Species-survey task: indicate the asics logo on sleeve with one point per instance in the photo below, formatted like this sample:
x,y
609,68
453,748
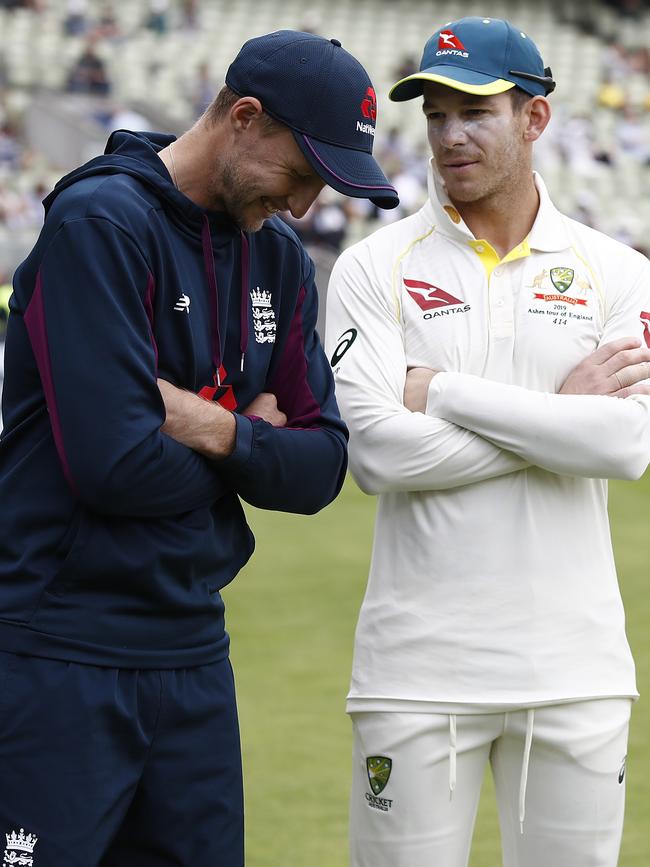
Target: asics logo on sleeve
x,y
345,342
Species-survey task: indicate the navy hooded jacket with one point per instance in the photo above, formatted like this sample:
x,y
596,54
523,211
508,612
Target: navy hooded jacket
x,y
116,539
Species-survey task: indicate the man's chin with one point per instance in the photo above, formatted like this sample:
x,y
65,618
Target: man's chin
x,y
249,223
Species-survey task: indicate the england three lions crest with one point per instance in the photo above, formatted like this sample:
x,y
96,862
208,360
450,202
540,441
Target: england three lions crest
x,y
263,316
19,849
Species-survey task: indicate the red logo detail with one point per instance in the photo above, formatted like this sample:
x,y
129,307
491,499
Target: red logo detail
x,y
446,39
369,105
645,319
428,296
227,399
565,298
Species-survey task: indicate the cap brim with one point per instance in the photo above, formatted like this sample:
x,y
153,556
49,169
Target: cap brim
x,y
451,76
351,172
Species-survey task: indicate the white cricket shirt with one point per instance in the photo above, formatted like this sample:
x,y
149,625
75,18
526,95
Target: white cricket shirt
x,y
492,578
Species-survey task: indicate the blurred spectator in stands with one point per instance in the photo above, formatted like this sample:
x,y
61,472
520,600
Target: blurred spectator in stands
x,y
5,293
325,223
34,212
9,146
203,89
311,22
628,8
158,17
394,151
412,191
632,135
89,74
13,208
190,15
407,66
10,5
577,146
108,26
611,94
615,60
329,223
121,117
75,21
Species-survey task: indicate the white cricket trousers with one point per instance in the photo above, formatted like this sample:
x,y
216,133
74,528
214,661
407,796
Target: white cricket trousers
x,y
559,774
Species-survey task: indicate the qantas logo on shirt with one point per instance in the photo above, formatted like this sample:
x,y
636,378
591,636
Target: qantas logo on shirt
x,y
429,297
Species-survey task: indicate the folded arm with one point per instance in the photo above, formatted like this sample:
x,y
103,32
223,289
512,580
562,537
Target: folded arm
x,y
95,352
392,448
288,449
583,431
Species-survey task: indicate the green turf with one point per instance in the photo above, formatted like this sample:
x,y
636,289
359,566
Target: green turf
x,y
291,615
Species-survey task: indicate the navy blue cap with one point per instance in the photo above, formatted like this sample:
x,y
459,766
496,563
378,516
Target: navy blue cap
x,y
324,95
481,56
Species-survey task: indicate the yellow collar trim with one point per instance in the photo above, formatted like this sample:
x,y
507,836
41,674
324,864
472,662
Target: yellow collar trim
x,y
490,258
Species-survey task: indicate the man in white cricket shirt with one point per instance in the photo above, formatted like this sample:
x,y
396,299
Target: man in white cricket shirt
x,y
490,357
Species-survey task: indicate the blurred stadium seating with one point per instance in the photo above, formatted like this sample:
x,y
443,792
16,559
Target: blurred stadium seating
x,y
160,57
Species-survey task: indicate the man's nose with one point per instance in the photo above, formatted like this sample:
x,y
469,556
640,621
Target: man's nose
x,y
453,132
301,200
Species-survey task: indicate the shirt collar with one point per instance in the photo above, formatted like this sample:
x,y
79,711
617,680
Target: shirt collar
x,y
548,234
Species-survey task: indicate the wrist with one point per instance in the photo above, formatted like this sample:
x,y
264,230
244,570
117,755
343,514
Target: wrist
x,y
217,438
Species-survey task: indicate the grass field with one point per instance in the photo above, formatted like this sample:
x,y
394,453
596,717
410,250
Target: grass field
x,y
291,615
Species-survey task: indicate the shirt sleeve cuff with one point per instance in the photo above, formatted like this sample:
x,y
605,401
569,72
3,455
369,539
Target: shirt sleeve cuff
x,y
244,435
435,394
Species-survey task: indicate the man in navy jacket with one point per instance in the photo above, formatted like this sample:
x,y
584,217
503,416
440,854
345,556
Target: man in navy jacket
x,y
162,364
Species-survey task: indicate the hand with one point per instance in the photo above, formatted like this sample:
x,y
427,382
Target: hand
x,y
201,425
416,388
265,406
615,369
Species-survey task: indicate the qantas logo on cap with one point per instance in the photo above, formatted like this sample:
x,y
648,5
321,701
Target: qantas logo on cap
x,y
449,43
429,297
448,40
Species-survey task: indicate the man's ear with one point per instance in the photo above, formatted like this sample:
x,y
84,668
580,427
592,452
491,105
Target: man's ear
x,y
246,110
537,113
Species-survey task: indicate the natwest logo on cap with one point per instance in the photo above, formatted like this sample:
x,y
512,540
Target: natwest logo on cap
x,y
369,110
447,39
369,104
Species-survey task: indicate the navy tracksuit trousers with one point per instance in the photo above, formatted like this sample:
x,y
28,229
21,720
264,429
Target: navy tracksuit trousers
x,y
107,767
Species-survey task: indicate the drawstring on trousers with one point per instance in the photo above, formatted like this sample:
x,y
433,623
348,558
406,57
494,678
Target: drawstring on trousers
x,y
530,718
452,754
530,721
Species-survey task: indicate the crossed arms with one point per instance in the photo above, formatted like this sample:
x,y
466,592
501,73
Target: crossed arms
x,y
419,430
611,441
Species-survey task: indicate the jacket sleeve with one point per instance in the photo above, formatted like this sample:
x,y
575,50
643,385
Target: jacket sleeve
x,y
94,347
391,448
584,435
301,467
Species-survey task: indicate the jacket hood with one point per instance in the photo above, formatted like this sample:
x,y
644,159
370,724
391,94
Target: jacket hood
x,y
136,154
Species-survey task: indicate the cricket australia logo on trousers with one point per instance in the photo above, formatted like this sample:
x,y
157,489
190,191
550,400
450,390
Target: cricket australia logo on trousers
x,y
378,769
263,316
19,849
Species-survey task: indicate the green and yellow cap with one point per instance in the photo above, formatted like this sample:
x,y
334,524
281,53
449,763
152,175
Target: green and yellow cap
x,y
482,56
